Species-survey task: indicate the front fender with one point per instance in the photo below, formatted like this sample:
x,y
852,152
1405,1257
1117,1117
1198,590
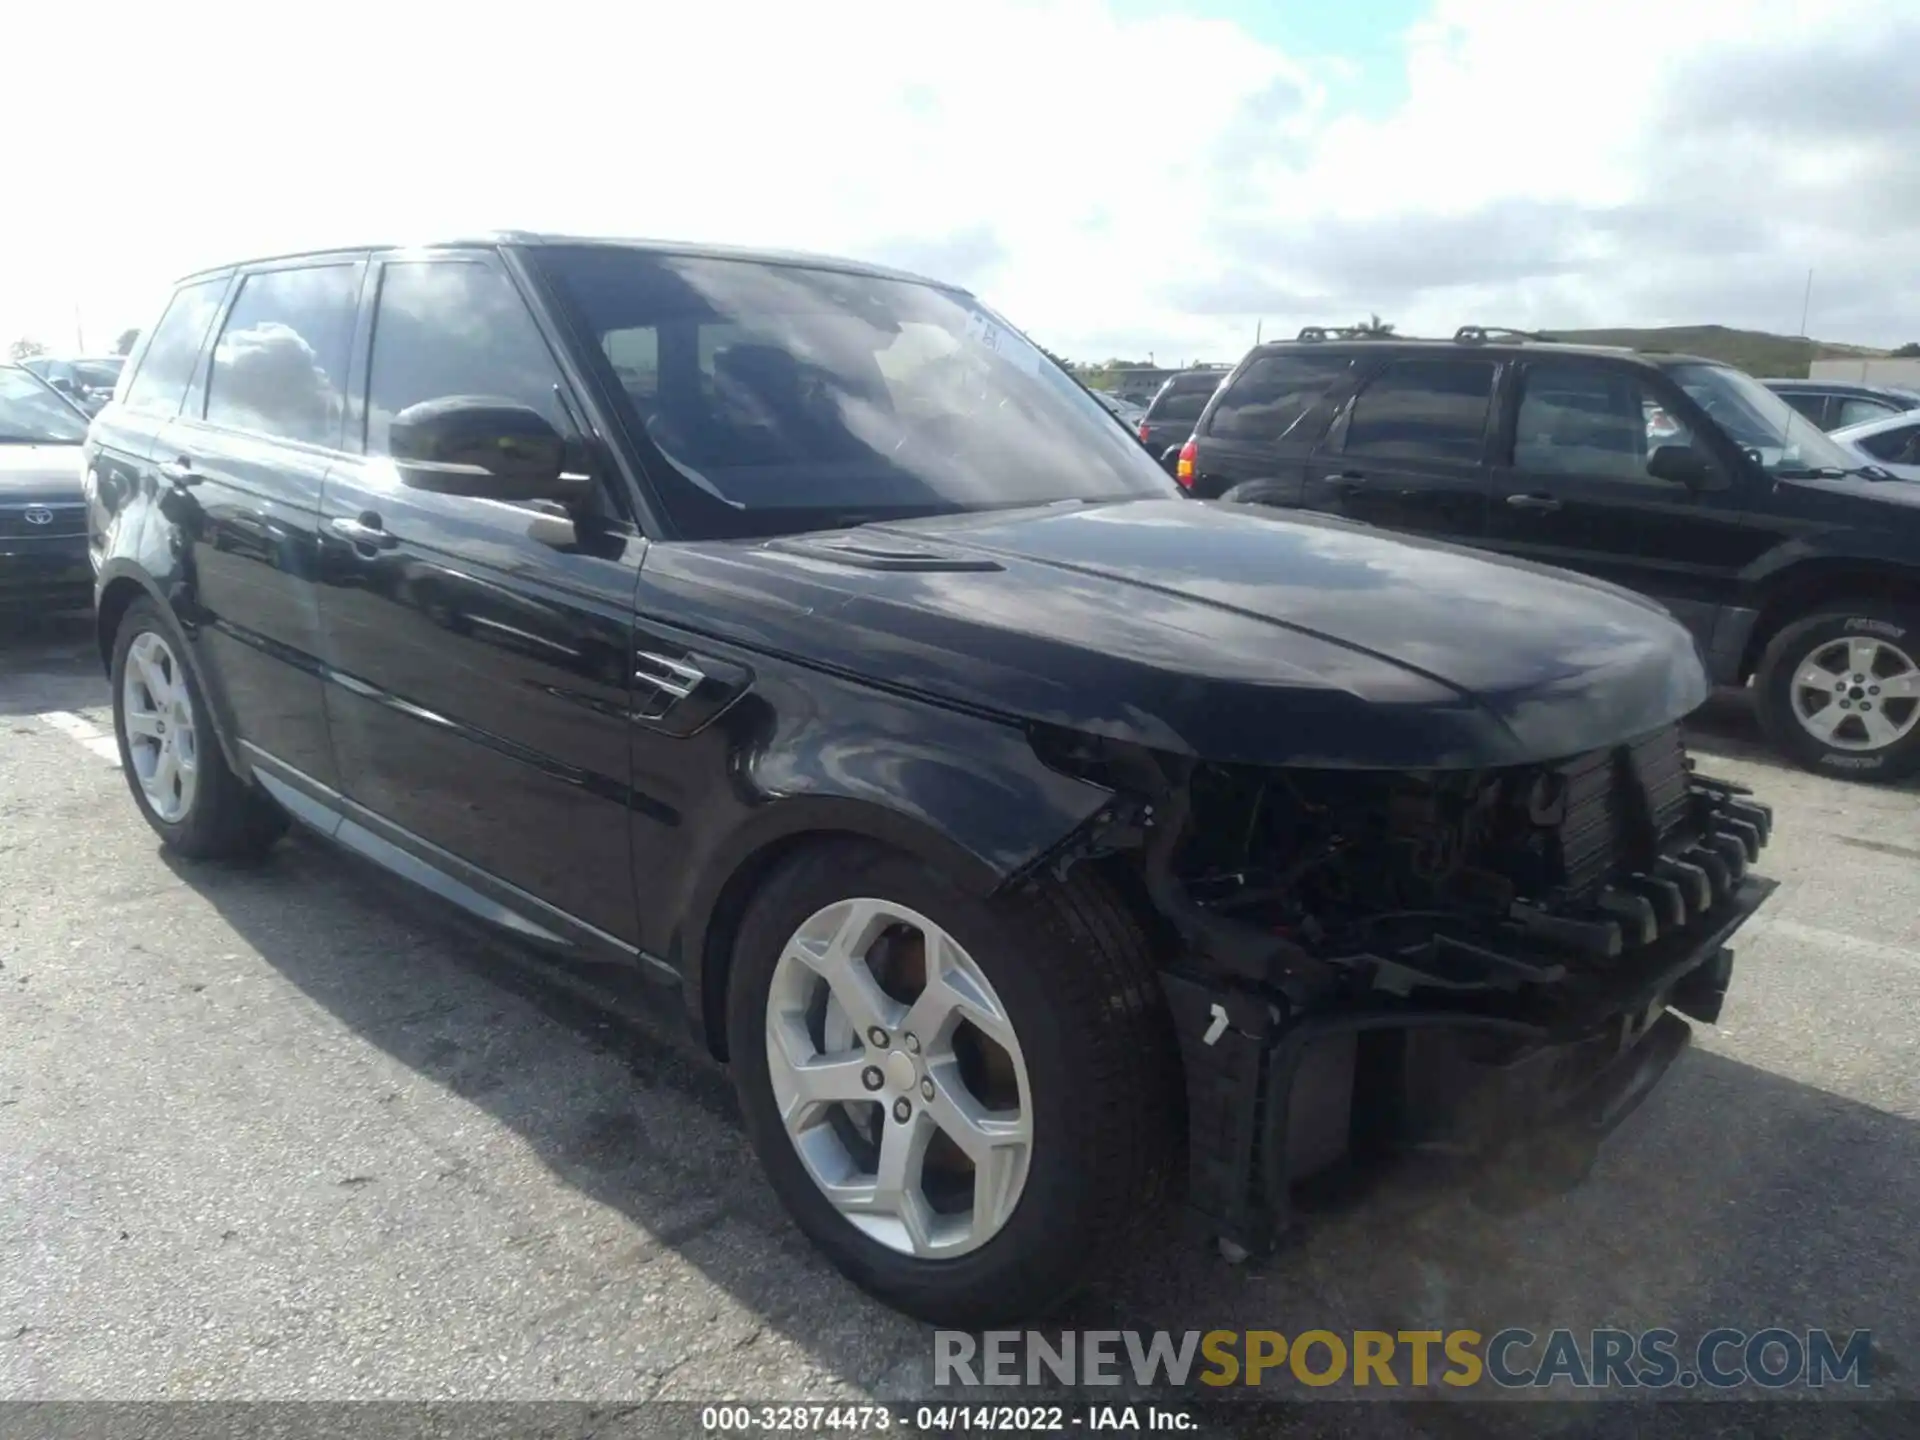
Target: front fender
x,y
813,756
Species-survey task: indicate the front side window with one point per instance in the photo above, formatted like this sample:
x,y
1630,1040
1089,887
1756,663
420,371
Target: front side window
x,y
33,413
1577,419
280,365
1857,411
160,383
1810,403
1274,394
454,327
1423,410
785,398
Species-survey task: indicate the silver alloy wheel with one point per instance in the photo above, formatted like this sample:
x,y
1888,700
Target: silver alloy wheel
x,y
1857,693
158,718
899,1078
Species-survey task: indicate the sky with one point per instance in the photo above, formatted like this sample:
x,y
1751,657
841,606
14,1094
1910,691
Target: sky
x,y
1118,177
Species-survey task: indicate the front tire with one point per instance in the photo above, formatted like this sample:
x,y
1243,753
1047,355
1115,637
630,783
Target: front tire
x,y
1839,691
970,1105
170,754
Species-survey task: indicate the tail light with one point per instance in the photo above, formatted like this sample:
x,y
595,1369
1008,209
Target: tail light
x,y
1145,434
1183,472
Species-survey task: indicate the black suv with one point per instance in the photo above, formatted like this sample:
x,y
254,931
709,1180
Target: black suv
x,y
1796,565
791,643
1175,406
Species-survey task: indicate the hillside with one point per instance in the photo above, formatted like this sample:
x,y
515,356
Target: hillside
x,y
1755,351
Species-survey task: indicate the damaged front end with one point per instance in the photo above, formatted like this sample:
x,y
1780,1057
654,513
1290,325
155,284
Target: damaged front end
x,y
1477,964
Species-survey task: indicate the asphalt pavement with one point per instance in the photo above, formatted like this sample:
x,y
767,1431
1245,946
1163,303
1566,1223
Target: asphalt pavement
x,y
290,1133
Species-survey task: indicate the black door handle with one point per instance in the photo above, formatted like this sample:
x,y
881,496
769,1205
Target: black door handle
x,y
1533,502
1347,480
364,531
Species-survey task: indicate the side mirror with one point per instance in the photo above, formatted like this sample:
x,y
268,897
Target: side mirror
x,y
1683,465
1170,459
484,448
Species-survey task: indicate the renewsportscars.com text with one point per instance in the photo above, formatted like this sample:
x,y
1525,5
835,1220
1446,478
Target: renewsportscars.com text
x,y
1725,1358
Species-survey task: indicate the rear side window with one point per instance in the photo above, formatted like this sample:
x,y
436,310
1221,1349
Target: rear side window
x,y
1898,446
280,366
1183,399
1423,410
1273,394
160,383
458,327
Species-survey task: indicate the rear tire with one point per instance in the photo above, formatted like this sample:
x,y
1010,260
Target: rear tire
x,y
1839,691
1072,975
214,815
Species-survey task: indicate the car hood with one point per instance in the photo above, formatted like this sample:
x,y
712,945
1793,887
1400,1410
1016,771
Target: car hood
x,y
1233,633
40,472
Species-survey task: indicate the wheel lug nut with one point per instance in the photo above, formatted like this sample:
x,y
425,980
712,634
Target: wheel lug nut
x,y
1858,679
1866,705
1846,705
912,1042
902,1111
878,1037
1873,689
872,1078
926,1089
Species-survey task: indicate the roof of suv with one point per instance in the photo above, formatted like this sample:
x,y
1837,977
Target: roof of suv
x,y
526,239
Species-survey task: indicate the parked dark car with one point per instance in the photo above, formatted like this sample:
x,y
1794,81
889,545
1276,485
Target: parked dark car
x,y
1795,563
1175,406
789,642
1834,405
43,531
87,381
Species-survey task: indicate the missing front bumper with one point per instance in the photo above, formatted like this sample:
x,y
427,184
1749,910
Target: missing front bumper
x,y
1525,1098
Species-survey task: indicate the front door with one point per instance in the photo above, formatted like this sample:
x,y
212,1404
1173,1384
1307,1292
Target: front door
x,y
1572,488
481,650
1409,452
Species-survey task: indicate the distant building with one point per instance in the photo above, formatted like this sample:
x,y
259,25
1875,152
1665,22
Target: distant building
x,y
1902,373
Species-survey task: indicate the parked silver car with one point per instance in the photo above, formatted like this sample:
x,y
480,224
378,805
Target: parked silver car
x,y
1892,443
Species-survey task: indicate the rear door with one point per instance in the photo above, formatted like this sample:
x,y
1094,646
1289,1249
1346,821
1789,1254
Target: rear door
x,y
1171,417
481,650
246,457
1571,488
1264,423
1409,452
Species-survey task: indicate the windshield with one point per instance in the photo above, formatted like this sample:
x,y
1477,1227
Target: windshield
x,y
97,374
786,398
1778,436
32,413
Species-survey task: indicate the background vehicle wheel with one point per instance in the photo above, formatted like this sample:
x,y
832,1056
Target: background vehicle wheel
x,y
1840,691
171,757
969,1106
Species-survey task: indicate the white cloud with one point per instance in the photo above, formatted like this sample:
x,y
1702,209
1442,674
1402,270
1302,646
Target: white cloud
x,y
1113,185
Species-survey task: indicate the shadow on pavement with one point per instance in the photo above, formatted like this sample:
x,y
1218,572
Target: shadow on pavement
x,y
1735,1197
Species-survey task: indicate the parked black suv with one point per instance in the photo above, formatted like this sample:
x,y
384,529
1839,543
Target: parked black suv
x,y
1836,404
1175,406
790,641
1796,566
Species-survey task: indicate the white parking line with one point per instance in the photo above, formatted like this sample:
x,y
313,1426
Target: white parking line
x,y
1837,941
78,727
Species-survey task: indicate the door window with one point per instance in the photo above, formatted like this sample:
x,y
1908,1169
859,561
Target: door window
x,y
161,381
280,366
1857,411
1423,410
1898,446
1273,394
1183,400
1810,403
458,327
1578,419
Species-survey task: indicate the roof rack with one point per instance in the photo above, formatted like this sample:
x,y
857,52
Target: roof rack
x,y
1312,333
1485,334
